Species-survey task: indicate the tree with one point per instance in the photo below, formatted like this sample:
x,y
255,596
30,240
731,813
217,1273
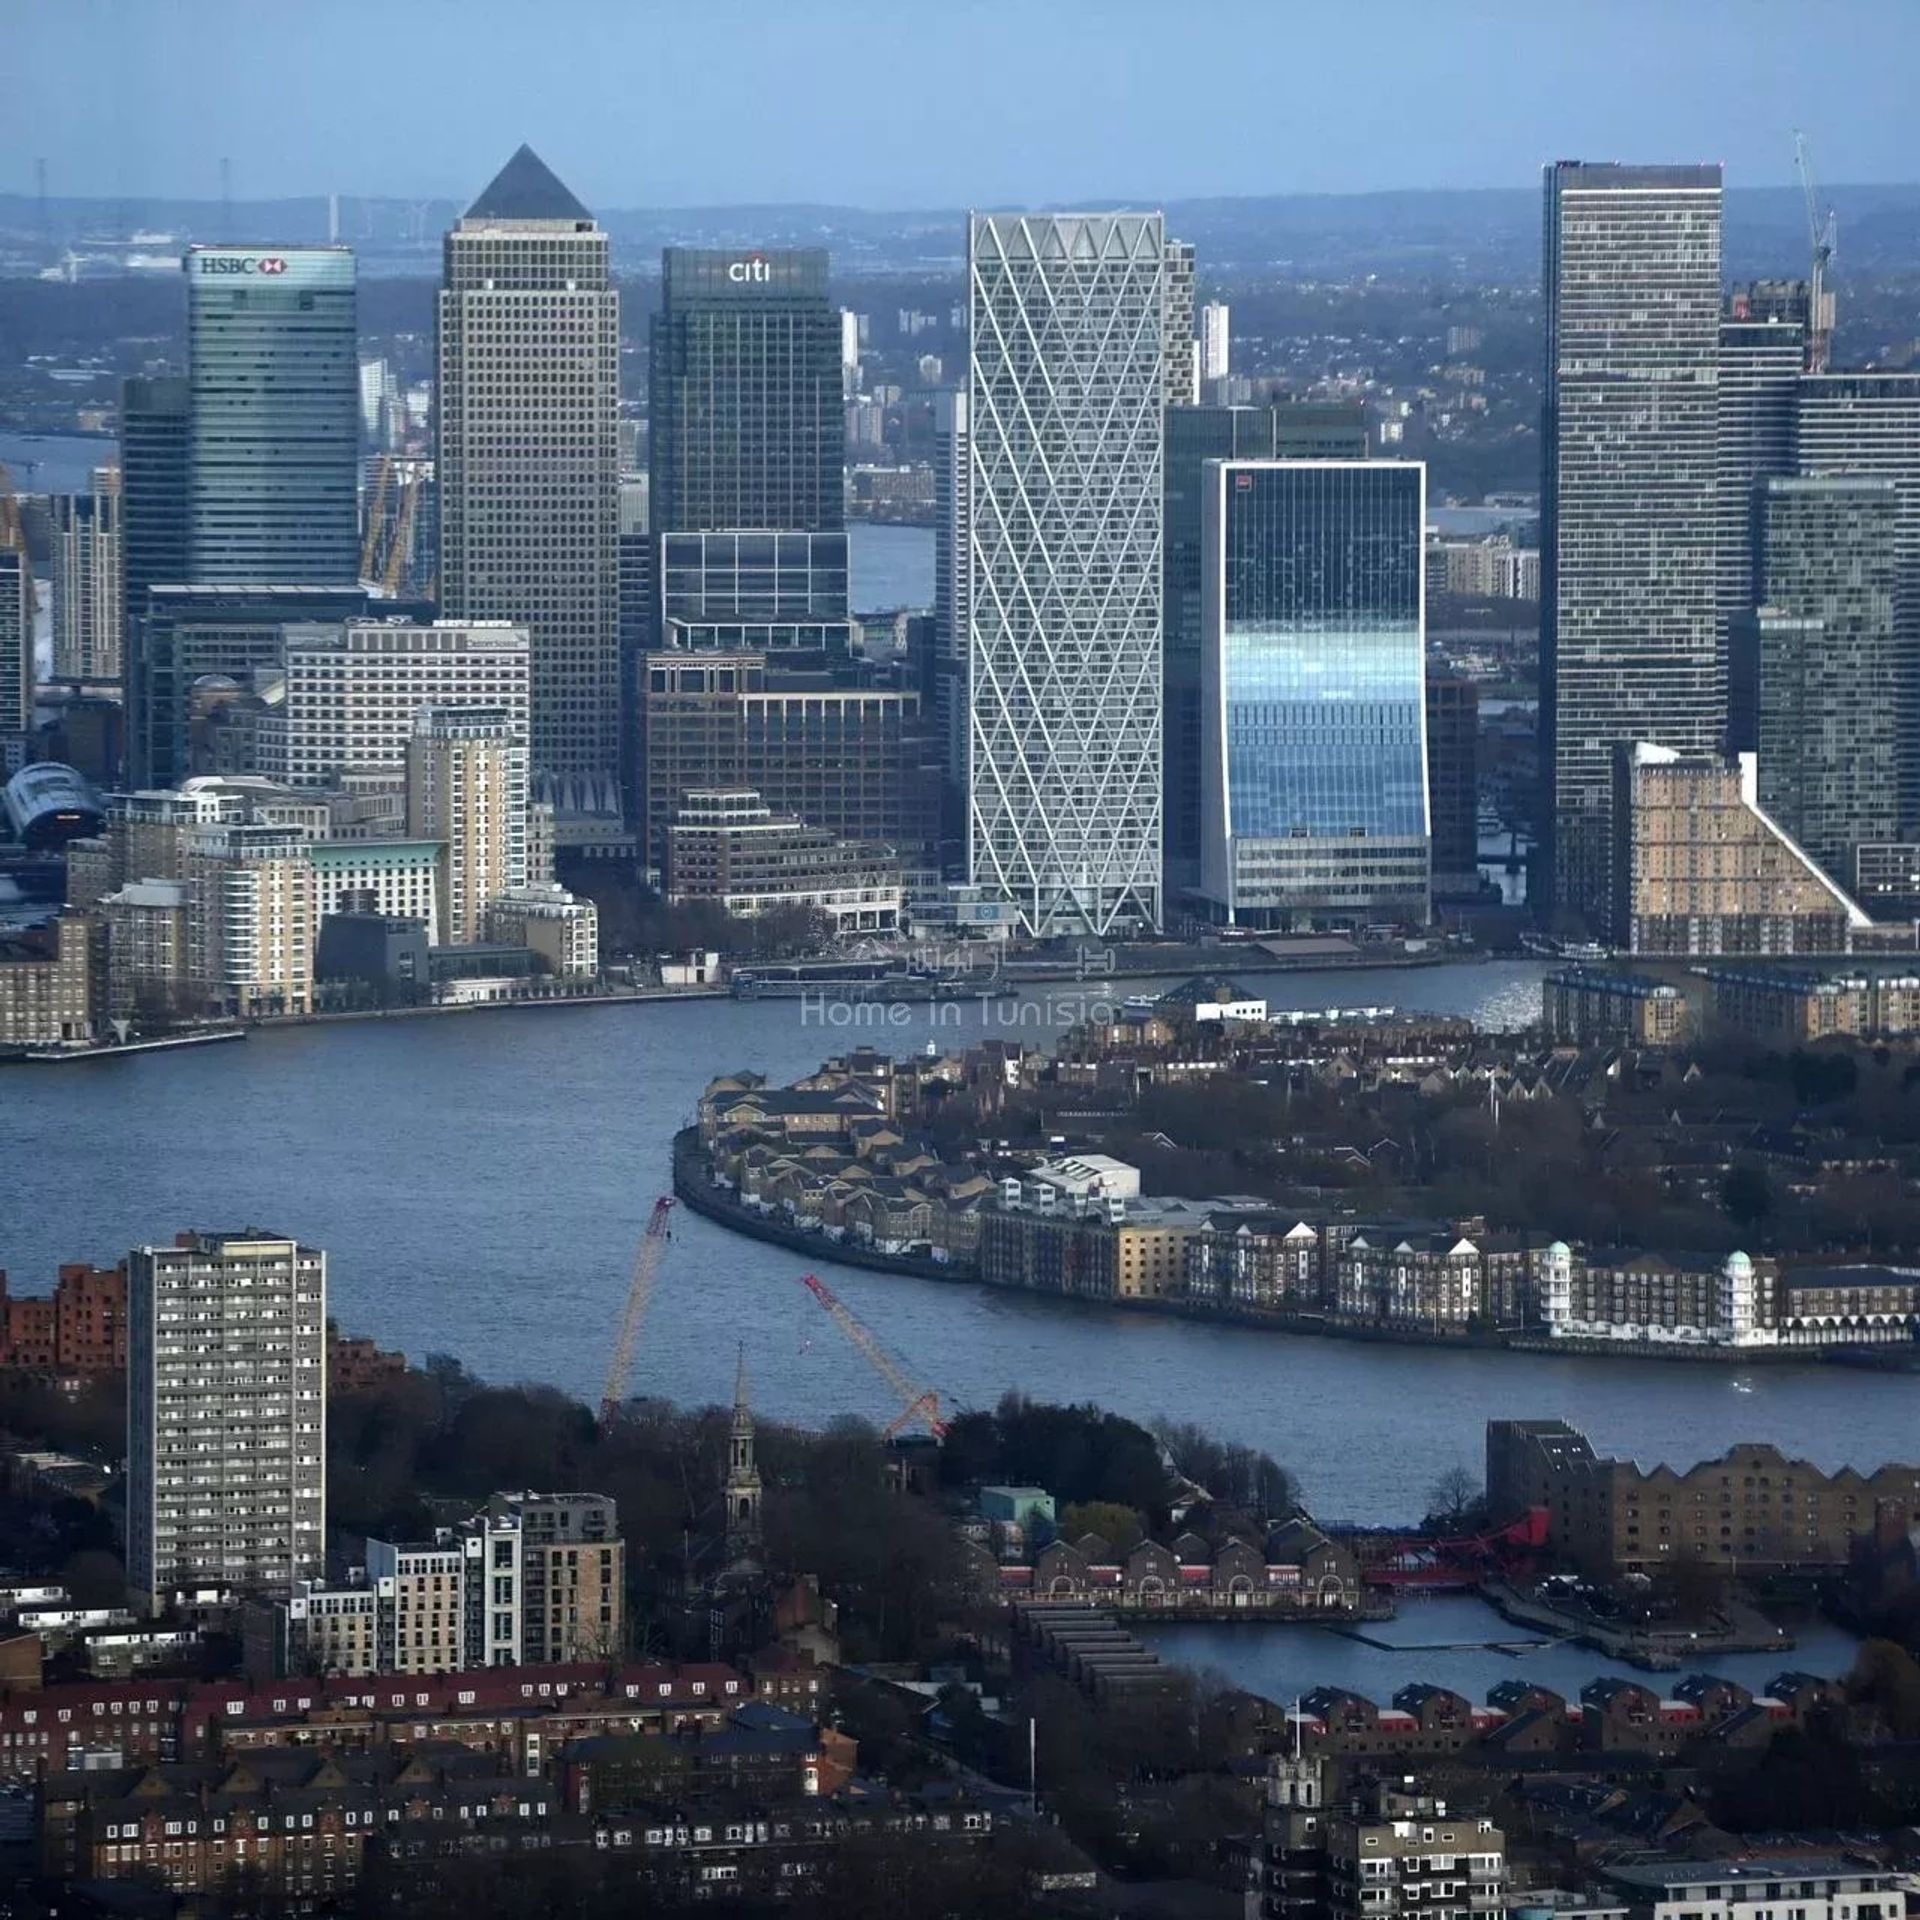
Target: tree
x,y
1120,1527
1455,1500
1746,1195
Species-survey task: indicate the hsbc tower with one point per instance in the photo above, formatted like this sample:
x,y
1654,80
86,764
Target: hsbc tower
x,y
274,427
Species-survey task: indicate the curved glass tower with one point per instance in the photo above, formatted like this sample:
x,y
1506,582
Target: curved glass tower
x,y
1314,693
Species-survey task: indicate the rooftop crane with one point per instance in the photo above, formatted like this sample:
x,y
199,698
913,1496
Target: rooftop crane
x,y
376,513
916,1403
401,549
1822,234
646,1269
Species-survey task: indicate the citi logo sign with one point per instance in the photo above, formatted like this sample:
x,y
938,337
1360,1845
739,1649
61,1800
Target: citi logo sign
x,y
241,263
753,269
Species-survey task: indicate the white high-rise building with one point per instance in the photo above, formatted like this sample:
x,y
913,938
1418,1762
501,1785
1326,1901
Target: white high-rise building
x,y
86,580
527,462
849,352
1215,354
226,1414
353,690
1068,369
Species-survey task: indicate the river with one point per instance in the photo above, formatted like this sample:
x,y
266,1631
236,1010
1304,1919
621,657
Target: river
x,y
480,1181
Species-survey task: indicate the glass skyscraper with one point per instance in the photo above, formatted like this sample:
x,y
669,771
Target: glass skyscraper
x,y
526,413
1630,625
1294,430
273,429
1314,684
747,425
1067,372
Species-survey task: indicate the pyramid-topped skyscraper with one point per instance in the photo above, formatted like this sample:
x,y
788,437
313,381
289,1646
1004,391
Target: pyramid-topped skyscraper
x,y
527,455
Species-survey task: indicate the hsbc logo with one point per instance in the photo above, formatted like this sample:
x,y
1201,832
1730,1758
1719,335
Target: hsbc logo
x,y
752,270
268,264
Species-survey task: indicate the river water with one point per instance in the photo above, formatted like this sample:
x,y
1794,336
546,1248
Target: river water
x,y
480,1181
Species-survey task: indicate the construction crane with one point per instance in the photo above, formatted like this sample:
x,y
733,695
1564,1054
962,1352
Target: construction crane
x,y
916,1403
375,515
646,1269
401,549
1821,234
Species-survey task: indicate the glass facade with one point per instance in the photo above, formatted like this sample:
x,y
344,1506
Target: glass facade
x,y
1315,693
273,437
753,577
747,422
1296,430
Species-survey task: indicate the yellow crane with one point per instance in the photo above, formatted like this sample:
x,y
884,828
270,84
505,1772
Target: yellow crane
x,y
376,514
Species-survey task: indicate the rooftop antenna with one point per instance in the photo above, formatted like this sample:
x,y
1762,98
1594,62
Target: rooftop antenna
x,y
1821,234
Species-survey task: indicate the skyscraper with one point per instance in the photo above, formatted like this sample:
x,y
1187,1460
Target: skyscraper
x,y
1067,377
1183,350
466,788
747,427
527,452
273,430
226,1413
1293,430
1869,424
1629,622
1814,667
16,643
86,581
1215,360
1314,681
1760,363
153,528
952,572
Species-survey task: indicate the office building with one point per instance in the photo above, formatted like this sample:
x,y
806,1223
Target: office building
x,y
273,425
466,791
251,918
952,575
16,647
1182,370
779,592
1886,879
1760,366
1868,425
848,758
745,393
1701,868
226,1414
1297,430
1215,357
526,462
731,847
1453,783
399,879
1066,385
1314,694
153,505
196,640
1629,632
1814,683
355,688
87,594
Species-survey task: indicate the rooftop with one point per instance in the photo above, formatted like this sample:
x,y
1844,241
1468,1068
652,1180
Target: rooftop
x,y
526,188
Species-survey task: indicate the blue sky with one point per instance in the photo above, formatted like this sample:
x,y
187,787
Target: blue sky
x,y
941,103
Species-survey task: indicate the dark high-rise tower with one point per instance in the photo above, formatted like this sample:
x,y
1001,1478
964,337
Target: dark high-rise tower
x,y
747,426
1868,424
1630,645
1760,363
527,467
273,434
153,530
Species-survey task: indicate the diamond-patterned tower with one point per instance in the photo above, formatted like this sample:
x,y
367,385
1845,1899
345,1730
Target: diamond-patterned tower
x,y
1064,394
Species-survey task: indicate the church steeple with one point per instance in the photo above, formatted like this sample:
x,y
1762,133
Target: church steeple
x,y
743,1474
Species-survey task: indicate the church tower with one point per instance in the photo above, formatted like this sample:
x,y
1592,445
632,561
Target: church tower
x,y
743,1475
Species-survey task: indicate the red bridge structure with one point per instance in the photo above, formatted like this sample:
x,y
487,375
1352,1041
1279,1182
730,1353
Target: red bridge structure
x,y
1432,1563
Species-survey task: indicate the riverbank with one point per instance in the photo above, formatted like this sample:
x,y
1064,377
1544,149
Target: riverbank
x,y
693,1184
1651,1650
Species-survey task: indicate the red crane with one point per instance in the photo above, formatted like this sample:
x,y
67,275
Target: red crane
x,y
646,1268
916,1402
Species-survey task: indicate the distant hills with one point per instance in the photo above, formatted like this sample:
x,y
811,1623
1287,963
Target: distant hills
x,y
1492,232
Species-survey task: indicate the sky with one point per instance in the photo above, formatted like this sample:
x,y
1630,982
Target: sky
x,y
940,103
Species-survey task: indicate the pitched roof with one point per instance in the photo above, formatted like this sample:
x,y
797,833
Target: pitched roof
x,y
526,188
